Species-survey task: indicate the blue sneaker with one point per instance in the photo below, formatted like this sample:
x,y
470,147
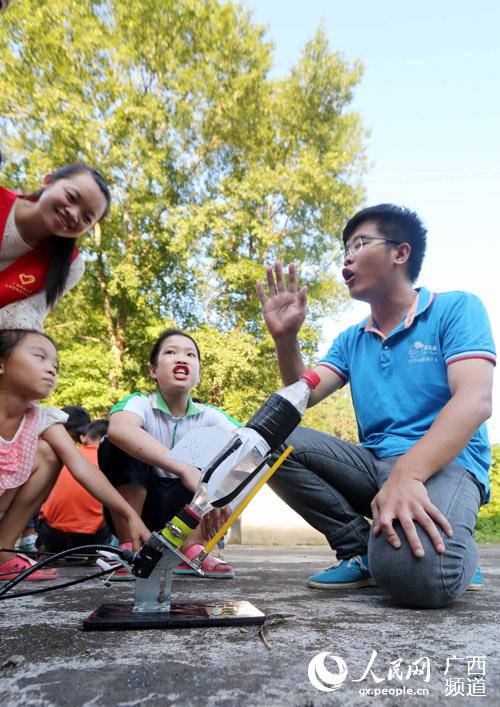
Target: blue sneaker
x,y
477,581
347,574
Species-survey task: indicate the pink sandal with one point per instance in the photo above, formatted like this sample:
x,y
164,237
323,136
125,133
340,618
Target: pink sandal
x,y
13,568
213,567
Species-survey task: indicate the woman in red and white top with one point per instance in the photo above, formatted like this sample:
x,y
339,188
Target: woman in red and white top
x,y
38,232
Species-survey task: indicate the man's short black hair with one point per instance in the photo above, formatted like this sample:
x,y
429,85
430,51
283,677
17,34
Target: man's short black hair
x,y
399,224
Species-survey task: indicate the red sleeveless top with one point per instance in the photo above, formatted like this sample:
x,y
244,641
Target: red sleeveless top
x,y
27,275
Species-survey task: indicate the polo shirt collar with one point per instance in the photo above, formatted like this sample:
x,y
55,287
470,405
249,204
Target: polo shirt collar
x,y
160,403
422,300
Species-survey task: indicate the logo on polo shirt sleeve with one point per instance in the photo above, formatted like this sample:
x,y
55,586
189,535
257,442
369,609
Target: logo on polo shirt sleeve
x,y
422,353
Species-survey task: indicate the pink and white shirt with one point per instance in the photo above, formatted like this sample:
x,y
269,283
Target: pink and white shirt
x,y
18,454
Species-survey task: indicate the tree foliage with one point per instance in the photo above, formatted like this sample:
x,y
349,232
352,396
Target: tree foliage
x,y
488,521
335,415
217,167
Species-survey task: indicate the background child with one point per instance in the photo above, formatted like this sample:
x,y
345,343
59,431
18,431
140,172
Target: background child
x,y
77,423
38,232
142,430
71,516
28,466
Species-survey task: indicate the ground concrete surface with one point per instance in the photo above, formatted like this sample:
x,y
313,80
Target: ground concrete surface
x,y
46,658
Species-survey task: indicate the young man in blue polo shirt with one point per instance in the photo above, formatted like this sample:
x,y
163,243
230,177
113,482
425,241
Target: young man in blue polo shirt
x,y
420,369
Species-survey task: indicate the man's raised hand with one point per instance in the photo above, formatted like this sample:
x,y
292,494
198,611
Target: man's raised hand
x,y
284,308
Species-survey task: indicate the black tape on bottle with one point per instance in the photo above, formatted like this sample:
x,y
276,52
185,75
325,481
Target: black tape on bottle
x,y
275,420
188,518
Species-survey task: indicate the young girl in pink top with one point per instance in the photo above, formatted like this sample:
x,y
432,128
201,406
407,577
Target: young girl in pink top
x,y
34,445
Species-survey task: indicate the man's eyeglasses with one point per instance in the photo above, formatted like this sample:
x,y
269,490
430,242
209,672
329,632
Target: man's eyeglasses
x,y
358,243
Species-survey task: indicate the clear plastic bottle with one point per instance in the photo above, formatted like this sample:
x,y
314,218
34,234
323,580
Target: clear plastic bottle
x,y
283,411
238,465
243,457
263,434
240,462
298,393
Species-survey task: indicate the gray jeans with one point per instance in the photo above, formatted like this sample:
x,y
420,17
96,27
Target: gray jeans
x,y
331,484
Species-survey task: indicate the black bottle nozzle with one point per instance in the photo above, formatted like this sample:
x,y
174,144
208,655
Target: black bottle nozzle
x,y
144,561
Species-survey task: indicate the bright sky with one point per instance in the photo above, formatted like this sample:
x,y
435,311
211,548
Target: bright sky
x,y
430,96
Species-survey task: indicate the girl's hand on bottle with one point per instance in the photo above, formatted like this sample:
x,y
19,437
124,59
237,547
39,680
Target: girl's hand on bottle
x,y
213,521
285,308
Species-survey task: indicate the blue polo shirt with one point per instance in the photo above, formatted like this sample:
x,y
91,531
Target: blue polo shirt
x,y
399,384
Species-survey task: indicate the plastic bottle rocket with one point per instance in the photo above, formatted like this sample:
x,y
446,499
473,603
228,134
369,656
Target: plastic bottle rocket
x,y
245,455
237,464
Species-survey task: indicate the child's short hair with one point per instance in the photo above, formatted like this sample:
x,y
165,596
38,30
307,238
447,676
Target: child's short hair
x,y
153,356
10,338
78,419
97,429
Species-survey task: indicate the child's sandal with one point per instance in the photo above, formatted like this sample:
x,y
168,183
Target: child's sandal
x,y
13,568
212,567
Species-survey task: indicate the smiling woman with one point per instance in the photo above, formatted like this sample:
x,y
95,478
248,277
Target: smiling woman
x,y
38,232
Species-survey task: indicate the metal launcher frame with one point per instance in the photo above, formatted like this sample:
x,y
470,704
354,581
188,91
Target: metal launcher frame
x,y
153,607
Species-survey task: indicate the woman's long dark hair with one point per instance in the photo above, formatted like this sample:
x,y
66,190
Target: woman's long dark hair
x,y
63,247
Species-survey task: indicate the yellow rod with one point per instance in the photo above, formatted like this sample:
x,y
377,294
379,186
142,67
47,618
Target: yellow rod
x,y
211,543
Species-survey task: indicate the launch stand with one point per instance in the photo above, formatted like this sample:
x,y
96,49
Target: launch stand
x,y
153,607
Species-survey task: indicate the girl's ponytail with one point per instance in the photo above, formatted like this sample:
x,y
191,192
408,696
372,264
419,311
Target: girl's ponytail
x,y
60,265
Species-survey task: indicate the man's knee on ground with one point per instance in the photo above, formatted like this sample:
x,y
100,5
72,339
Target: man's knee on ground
x,y
429,582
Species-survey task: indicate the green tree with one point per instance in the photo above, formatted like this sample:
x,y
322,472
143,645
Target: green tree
x,y
488,522
335,415
216,166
